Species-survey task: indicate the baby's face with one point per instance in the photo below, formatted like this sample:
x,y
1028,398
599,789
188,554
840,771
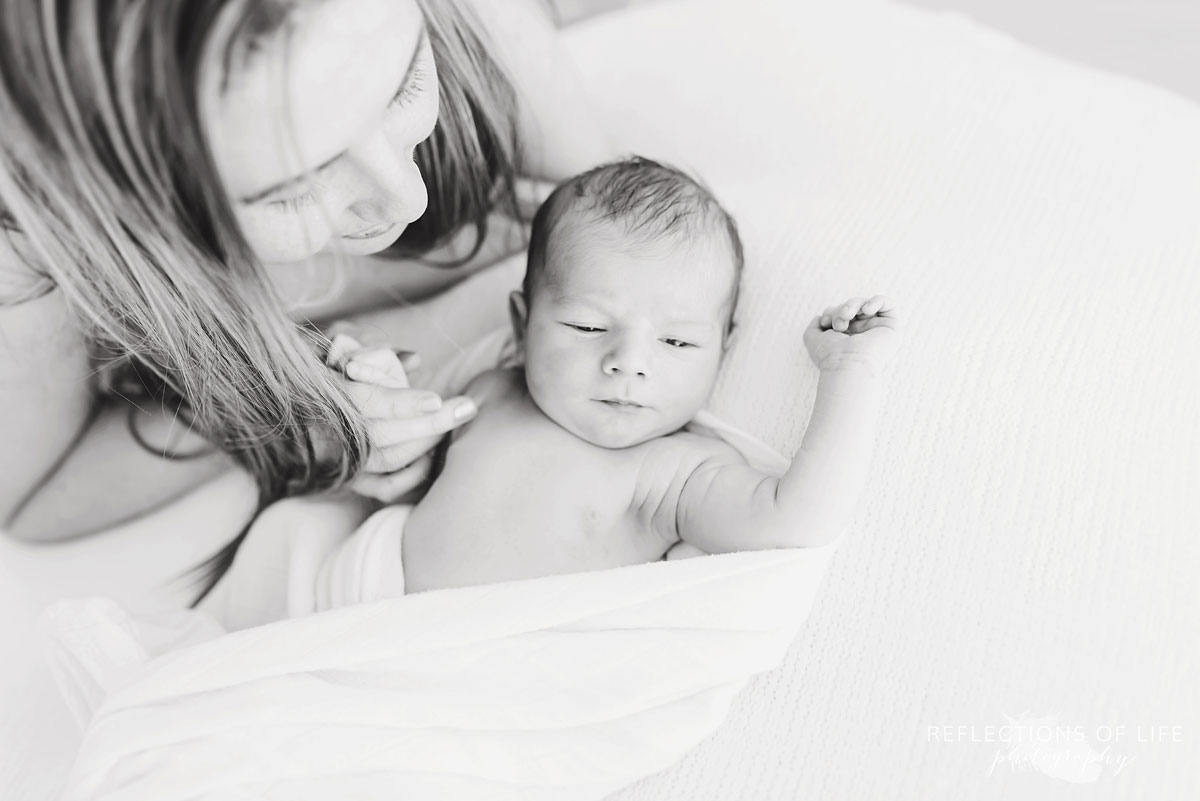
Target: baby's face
x,y
623,344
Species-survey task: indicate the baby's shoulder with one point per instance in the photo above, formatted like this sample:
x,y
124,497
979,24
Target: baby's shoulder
x,y
664,469
690,446
496,384
668,461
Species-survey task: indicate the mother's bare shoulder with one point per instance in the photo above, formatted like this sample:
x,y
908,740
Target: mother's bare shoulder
x,y
45,389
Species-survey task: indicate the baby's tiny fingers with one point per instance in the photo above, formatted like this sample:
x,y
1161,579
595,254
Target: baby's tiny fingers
x,y
859,326
873,305
341,346
829,317
409,360
850,308
372,374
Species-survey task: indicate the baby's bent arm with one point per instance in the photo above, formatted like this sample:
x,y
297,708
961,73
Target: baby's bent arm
x,y
730,507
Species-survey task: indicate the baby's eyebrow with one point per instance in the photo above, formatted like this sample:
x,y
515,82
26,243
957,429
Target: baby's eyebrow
x,y
577,300
705,324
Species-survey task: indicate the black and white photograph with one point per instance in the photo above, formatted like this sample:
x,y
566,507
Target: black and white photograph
x,y
599,400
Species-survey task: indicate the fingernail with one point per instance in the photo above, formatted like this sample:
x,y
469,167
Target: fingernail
x,y
429,403
464,409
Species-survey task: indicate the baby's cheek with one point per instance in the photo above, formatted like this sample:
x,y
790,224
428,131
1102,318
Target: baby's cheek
x,y
547,372
702,382
557,361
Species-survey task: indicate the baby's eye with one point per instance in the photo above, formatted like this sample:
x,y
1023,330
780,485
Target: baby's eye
x,y
678,343
586,329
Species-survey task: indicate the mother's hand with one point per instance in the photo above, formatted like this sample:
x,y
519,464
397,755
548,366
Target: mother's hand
x,y
403,424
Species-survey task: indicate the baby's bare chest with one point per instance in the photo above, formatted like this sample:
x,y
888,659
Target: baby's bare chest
x,y
520,497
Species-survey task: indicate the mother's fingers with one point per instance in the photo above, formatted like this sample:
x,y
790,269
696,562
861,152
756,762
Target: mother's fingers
x,y
453,413
387,459
379,402
388,487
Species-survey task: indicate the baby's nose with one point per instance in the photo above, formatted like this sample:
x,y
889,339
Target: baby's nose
x,y
625,361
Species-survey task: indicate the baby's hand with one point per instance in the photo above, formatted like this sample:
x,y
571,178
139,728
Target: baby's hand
x,y
856,332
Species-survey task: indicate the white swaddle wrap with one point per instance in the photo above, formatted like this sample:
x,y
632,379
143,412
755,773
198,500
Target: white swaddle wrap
x,y
564,687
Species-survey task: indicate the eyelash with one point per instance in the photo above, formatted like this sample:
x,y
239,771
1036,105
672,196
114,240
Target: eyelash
x,y
293,203
679,344
411,90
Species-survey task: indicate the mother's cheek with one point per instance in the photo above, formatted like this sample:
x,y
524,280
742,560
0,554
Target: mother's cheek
x,y
282,238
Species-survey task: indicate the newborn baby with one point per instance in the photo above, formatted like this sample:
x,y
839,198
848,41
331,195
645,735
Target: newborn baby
x,y
578,459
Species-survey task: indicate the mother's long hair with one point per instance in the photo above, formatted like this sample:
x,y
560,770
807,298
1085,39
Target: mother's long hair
x,y
105,172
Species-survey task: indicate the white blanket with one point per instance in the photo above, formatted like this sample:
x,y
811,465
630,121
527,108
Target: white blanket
x,y
559,688
568,687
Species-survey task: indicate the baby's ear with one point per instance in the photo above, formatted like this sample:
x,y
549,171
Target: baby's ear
x,y
518,312
727,341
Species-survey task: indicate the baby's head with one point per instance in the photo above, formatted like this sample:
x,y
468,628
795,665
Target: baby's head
x,y
628,301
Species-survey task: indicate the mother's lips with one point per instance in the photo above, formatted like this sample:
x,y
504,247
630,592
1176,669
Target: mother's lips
x,y
368,233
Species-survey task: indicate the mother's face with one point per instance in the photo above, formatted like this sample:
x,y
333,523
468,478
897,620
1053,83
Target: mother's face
x,y
313,129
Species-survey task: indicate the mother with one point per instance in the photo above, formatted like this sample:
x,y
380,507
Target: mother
x,y
179,179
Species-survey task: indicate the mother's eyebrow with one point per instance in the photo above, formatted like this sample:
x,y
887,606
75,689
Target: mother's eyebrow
x,y
299,179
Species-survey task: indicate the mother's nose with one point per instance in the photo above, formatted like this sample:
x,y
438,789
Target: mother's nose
x,y
381,186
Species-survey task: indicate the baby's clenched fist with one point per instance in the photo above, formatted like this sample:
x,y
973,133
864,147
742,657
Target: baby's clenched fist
x,y
857,332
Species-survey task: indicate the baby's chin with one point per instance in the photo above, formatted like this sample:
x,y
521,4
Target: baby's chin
x,y
618,433
615,441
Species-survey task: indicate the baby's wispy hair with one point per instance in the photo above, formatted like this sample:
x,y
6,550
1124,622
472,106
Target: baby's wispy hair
x,y
652,200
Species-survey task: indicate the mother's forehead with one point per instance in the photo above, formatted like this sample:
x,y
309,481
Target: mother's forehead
x,y
307,93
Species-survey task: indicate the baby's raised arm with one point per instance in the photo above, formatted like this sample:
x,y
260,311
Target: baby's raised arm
x,y
732,507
